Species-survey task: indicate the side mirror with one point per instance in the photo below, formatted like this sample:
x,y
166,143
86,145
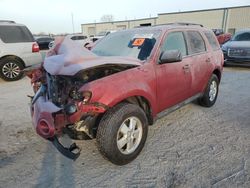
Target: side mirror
x,y
170,56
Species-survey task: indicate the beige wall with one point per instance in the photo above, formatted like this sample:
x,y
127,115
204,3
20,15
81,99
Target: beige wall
x,y
114,25
229,19
238,18
210,19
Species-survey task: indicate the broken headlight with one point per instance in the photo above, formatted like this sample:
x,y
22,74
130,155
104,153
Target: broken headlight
x,y
75,94
86,96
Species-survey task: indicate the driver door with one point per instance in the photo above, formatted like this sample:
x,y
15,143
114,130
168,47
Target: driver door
x,y
173,79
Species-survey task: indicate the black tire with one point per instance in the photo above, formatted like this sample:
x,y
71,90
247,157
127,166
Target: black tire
x,y
6,64
107,133
207,100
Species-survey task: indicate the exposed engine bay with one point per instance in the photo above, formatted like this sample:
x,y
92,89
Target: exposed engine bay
x,y
64,89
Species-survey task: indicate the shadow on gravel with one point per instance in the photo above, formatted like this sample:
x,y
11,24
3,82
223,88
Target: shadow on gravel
x,y
56,170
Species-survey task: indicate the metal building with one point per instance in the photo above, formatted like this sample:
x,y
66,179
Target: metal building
x,y
229,19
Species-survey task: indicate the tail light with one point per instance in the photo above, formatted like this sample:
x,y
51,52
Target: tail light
x,y
35,47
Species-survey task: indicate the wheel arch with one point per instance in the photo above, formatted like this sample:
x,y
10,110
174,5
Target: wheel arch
x,y
217,72
144,104
14,56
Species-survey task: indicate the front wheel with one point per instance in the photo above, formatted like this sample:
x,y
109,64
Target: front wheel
x,y
122,133
11,69
210,95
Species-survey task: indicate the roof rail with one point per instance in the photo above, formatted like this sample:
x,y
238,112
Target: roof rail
x,y
181,23
186,23
7,21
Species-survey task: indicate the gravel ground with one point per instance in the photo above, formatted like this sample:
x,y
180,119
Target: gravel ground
x,y
191,147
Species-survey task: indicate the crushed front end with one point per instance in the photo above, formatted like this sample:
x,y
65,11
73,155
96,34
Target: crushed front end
x,y
58,108
62,104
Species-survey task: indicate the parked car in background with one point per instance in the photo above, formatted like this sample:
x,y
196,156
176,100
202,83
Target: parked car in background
x,y
79,38
128,80
18,50
221,36
101,35
43,41
237,50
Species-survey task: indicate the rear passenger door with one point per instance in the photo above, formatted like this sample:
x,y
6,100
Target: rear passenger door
x,y
199,61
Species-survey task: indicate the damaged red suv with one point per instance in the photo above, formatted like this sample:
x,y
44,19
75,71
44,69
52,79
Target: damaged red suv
x,y
129,80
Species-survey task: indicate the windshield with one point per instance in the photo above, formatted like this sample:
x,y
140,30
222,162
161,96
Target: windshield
x,y
136,43
242,36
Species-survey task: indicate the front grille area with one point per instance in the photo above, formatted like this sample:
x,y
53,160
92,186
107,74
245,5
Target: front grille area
x,y
239,52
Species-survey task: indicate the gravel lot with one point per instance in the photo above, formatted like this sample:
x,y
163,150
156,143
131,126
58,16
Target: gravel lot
x,y
191,147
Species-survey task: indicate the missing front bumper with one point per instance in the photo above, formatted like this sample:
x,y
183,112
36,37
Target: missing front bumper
x,y
71,152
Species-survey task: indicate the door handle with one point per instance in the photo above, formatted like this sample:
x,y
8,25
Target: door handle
x,y
208,60
185,67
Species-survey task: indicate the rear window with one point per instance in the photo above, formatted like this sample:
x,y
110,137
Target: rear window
x,y
14,34
196,43
212,40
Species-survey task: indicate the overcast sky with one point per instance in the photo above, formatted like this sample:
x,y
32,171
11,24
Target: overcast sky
x,y
54,16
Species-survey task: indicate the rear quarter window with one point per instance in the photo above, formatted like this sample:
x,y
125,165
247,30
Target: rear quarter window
x,y
195,42
15,34
212,40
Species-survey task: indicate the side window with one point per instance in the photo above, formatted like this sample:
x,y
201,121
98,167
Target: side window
x,y
74,38
81,37
212,40
175,41
13,34
195,42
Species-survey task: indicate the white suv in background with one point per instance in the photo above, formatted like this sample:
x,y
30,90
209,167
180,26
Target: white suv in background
x,y
18,50
79,38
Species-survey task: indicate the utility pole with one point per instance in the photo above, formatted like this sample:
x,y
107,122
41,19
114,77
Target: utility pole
x,y
72,18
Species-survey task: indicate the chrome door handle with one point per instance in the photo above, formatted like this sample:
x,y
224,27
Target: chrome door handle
x,y
208,60
185,67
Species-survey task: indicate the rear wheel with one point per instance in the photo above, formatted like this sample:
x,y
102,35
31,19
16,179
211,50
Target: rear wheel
x,y
11,69
122,133
209,97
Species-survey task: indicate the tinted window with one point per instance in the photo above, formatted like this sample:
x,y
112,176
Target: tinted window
x,y
13,34
74,38
195,42
45,39
175,41
136,43
81,37
242,37
78,37
212,40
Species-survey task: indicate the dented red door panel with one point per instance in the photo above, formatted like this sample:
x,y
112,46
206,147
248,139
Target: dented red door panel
x,y
200,72
173,83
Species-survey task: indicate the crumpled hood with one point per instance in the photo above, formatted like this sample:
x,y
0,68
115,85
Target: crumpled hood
x,y
237,44
68,58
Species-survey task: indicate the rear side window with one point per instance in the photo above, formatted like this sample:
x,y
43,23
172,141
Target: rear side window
x,y
212,40
175,41
14,34
195,42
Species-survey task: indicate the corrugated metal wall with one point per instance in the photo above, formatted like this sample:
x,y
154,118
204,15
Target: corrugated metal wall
x,y
228,19
210,19
238,18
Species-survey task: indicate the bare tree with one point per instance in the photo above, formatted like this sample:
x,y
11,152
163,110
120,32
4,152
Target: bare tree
x,y
107,18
